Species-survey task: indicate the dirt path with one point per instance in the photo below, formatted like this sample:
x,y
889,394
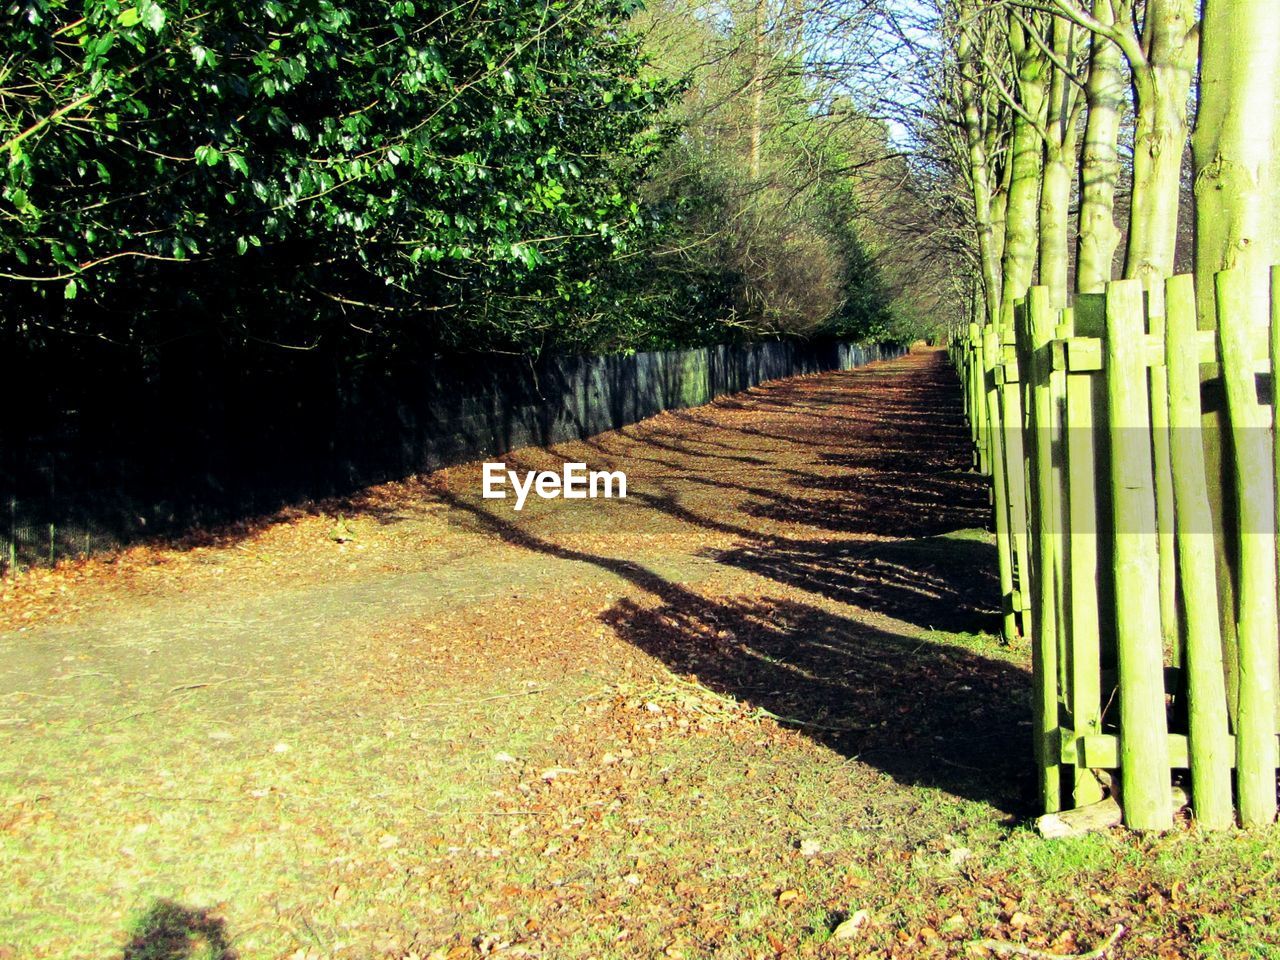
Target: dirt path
x,y
712,718
798,482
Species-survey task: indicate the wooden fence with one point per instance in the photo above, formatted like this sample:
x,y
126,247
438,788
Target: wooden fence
x,y
1107,430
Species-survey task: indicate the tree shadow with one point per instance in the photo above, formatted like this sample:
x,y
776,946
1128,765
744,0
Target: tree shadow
x,y
170,931
936,583
926,712
923,711
902,505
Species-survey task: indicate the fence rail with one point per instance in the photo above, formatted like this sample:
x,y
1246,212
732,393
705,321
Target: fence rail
x,y
1133,463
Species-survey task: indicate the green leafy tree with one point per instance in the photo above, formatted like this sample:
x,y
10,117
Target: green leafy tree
x,y
417,170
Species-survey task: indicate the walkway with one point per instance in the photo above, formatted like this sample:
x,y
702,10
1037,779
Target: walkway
x,y
262,722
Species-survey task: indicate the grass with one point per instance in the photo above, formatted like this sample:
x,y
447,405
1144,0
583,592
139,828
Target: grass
x,y
337,822
498,750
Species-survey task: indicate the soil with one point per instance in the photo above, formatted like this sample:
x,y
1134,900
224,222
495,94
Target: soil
x,y
697,720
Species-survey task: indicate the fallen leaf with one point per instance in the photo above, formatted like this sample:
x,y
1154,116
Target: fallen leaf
x,y
848,929
552,773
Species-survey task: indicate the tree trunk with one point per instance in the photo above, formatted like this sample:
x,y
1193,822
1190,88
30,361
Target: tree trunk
x,y
1099,164
1022,206
757,87
980,178
1161,87
1000,219
1237,189
1059,159
1236,144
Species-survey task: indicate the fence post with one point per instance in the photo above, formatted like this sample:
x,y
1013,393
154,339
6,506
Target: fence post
x,y
1210,741
1144,748
1058,424
1274,345
1038,327
1158,382
1082,466
1015,467
999,485
1254,475
977,407
1079,542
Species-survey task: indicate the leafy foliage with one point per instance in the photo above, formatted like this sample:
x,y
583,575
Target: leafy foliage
x,y
441,172
762,226
379,179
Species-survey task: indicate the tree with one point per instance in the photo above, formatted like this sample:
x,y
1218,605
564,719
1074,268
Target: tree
x,y
1237,187
1160,50
419,171
760,193
1099,162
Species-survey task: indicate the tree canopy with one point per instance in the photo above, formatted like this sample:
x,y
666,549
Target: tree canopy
x,y
496,175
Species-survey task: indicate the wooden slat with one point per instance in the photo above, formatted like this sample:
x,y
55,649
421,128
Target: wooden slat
x,y
1016,480
1101,751
999,482
1212,748
1256,620
1158,384
1085,354
1143,748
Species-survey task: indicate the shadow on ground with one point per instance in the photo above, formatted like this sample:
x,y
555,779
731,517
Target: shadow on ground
x,y
927,712
170,931
935,583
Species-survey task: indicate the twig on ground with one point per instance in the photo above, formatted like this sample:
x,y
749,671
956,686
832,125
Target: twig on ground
x,y
953,763
761,711
496,696
1004,948
203,683
127,716
91,673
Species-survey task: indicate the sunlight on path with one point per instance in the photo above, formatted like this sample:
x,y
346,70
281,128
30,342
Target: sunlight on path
x,y
384,747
